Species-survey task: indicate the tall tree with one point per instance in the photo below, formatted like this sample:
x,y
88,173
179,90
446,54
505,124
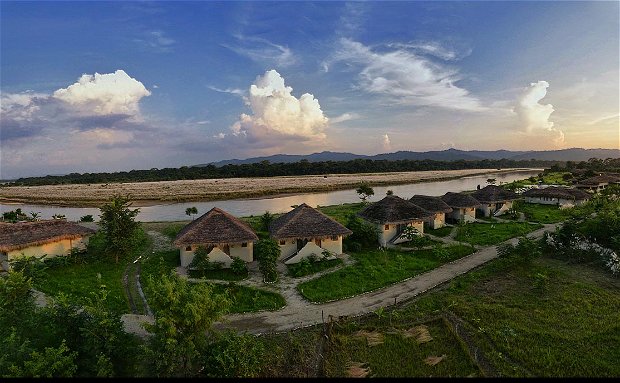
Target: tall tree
x,y
118,225
267,252
191,210
184,314
365,191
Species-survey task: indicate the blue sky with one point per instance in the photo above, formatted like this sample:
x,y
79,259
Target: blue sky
x,y
106,86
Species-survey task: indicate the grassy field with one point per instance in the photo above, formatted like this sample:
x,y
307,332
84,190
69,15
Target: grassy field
x,y
550,178
222,275
375,269
80,281
341,212
486,234
248,299
441,232
566,326
302,269
542,213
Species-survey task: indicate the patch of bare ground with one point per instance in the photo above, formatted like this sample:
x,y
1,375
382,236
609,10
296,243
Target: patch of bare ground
x,y
152,193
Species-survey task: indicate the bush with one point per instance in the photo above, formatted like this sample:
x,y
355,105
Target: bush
x,y
267,253
234,356
364,234
87,218
238,266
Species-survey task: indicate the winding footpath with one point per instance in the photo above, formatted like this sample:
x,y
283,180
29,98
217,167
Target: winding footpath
x,y
299,313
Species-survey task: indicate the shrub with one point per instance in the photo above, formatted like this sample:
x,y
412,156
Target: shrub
x,y
238,266
87,218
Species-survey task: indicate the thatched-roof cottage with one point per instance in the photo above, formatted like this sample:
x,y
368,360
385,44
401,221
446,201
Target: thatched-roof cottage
x,y
436,206
494,200
463,207
598,183
305,231
223,235
563,197
50,237
392,215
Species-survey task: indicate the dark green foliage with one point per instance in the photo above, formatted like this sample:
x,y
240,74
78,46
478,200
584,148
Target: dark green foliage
x,y
265,220
238,266
310,266
87,218
364,190
267,253
14,215
191,210
32,267
201,263
119,227
184,313
234,356
279,169
364,234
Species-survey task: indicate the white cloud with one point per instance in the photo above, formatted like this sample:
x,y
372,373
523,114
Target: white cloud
x,y
432,48
112,93
235,91
405,77
387,145
533,117
156,41
344,117
278,116
262,50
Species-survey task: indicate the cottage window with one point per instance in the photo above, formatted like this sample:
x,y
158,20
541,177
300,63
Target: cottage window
x,y
386,227
282,242
334,237
188,248
244,244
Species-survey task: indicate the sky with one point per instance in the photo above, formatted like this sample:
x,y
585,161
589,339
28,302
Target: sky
x,y
112,86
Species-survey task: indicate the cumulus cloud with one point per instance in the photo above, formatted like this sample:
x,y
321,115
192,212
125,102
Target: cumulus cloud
x,y
405,77
111,93
387,145
278,115
533,117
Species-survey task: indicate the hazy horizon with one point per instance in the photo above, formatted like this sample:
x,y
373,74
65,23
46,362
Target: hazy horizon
x,y
115,86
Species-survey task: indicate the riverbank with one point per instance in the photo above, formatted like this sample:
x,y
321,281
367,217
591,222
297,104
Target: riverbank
x,y
167,192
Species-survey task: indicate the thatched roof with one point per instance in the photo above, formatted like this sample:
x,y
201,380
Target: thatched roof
x,y
305,222
432,204
215,227
393,209
557,192
459,200
493,194
15,236
600,180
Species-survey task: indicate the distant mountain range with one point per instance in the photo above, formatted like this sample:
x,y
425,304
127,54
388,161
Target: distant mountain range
x,y
573,154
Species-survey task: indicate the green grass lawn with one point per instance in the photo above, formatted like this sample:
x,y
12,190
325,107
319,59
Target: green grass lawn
x,y
398,356
567,326
491,234
249,299
341,212
375,269
222,275
302,269
80,281
441,232
543,213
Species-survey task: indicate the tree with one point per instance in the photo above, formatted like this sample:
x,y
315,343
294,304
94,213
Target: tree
x,y
234,356
266,220
389,192
118,225
87,218
191,210
491,181
364,191
35,216
267,252
59,216
184,314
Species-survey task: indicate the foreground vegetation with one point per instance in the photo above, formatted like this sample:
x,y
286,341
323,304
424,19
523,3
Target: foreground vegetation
x,y
485,234
374,269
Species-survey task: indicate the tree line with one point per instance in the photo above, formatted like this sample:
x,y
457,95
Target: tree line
x,y
268,169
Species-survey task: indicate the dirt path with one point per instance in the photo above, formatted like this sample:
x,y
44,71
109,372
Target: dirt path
x,y
299,314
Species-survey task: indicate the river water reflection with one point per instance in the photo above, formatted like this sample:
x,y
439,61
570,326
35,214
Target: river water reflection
x,y
247,207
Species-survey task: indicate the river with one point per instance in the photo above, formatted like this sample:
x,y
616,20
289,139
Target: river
x,y
258,206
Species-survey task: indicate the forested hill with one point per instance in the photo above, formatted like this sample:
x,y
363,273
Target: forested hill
x,y
268,169
572,154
